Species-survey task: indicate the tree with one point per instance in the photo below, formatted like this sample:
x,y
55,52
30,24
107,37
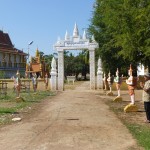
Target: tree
x,y
121,33
74,65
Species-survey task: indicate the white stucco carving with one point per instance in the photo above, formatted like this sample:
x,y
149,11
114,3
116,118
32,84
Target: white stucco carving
x,y
76,42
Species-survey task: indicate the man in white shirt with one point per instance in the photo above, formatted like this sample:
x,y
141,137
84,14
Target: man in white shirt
x,y
146,95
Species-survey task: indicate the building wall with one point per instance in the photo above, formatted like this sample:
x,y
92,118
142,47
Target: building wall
x,y
11,69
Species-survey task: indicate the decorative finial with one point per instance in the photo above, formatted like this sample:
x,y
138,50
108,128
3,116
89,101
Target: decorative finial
x,y
99,62
53,64
75,31
37,53
58,40
67,36
84,35
93,39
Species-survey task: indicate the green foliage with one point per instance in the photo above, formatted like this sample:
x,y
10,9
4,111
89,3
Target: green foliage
x,y
122,30
73,65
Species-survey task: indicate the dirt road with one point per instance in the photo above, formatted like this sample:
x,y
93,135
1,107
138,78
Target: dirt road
x,y
72,120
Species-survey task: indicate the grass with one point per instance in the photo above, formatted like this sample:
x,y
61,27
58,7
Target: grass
x,y
72,86
9,106
141,132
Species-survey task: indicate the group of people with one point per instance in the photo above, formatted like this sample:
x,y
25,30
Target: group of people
x,y
131,82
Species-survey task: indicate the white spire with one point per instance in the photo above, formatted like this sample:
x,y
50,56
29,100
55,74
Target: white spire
x,y
93,39
67,36
84,35
53,65
75,31
99,63
58,40
99,66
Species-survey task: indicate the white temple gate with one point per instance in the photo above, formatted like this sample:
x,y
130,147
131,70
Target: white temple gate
x,y
75,43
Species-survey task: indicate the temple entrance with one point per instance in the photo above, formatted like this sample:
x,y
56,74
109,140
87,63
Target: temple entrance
x,y
75,43
76,65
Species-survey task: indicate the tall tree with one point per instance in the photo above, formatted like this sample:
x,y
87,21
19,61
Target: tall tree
x,y
117,27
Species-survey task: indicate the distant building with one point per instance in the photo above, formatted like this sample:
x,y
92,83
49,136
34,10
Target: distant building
x,y
37,65
11,58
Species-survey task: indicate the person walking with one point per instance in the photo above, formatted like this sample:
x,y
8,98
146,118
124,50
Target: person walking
x,y
146,96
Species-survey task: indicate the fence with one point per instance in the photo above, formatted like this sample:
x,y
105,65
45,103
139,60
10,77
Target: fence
x,y
26,84
3,88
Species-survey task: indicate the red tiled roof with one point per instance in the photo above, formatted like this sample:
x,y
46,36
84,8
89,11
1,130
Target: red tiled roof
x,y
5,39
6,44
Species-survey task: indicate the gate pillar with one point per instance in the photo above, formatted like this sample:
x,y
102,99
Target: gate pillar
x,y
60,69
92,68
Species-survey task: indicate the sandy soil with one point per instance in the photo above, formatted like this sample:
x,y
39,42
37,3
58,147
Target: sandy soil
x,y
72,120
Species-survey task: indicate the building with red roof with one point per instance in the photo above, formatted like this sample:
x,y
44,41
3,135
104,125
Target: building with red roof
x,y
11,58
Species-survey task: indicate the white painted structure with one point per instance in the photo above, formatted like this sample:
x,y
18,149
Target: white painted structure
x,y
76,42
71,78
53,73
99,74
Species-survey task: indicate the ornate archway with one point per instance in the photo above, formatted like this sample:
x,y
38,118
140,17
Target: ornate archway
x,y
75,43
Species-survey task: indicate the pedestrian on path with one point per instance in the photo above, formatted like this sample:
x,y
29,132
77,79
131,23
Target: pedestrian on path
x,y
146,96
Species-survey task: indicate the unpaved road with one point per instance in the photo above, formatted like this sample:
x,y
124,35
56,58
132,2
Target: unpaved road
x,y
73,120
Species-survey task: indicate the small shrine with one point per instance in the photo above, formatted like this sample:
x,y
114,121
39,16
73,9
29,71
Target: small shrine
x,y
37,65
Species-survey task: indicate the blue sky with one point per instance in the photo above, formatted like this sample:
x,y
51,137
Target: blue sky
x,y
42,21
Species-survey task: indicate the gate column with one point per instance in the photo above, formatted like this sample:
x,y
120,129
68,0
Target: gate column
x,y
99,75
92,68
60,69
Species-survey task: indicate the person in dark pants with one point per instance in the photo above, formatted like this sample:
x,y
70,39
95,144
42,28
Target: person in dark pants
x,y
146,95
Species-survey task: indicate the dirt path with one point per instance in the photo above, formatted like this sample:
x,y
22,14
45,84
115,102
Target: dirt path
x,y
72,120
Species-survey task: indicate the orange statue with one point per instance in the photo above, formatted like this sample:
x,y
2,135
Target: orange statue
x,y
131,85
118,81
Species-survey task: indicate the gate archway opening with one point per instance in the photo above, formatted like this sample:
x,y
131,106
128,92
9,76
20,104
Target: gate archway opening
x,y
76,42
